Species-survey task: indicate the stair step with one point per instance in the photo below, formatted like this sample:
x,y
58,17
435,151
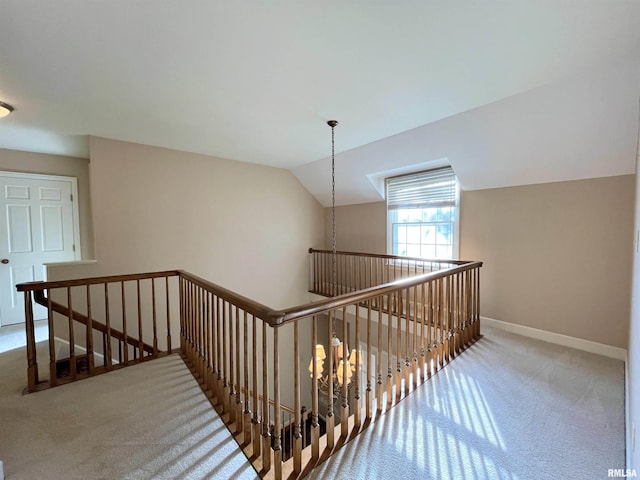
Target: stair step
x,y
63,366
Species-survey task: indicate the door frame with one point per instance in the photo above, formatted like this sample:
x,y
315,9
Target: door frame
x,y
77,253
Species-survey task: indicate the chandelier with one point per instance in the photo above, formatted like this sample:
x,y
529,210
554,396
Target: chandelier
x,y
343,366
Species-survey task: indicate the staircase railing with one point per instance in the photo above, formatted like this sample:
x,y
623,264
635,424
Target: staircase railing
x,y
252,360
102,318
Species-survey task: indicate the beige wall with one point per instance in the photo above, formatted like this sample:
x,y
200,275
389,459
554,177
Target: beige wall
x,y
236,224
556,256
359,228
27,162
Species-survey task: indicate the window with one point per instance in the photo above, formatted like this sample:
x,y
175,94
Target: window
x,y
422,211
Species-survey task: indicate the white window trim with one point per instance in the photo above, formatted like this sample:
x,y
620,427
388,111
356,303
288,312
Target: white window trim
x,y
456,226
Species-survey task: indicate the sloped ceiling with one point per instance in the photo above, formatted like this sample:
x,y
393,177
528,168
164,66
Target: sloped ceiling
x,y
507,92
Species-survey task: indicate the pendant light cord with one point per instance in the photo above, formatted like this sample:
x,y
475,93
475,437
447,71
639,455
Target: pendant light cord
x,y
334,268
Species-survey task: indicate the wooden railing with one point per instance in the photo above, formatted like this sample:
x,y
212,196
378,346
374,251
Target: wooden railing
x,y
252,360
356,271
98,324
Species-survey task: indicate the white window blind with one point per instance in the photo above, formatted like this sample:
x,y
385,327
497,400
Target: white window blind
x,y
433,188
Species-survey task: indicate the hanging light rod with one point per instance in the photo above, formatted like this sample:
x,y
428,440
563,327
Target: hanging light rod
x,y
334,276
6,109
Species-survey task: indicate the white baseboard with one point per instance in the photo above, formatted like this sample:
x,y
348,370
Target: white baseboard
x,y
558,338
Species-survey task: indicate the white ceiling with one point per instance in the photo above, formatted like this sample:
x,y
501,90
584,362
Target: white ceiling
x,y
256,81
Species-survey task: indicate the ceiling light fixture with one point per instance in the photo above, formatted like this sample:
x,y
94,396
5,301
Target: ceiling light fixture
x,y
5,109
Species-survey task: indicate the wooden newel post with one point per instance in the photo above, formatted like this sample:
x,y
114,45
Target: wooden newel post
x,y
32,362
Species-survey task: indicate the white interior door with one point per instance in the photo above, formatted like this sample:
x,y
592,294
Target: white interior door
x,y
39,225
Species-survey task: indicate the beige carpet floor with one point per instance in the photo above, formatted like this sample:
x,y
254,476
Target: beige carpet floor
x,y
150,421
508,408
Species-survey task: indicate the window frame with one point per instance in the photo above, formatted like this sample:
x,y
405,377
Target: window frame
x,y
455,217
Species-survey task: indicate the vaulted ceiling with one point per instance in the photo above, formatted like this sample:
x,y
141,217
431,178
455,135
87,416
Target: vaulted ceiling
x,y
515,92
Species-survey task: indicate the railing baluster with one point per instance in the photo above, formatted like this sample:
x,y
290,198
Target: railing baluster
x,y
357,410
414,338
197,325
369,394
181,298
316,264
53,373
380,302
140,343
123,297
107,320
232,366
201,334
194,326
469,305
90,348
154,317
220,343
168,300
448,318
247,411
255,420
188,317
238,399
389,352
477,332
406,310
277,443
344,413
296,439
266,434
329,419
442,304
215,346
72,342
423,319
32,359
399,306
209,349
204,345
225,357
458,312
315,427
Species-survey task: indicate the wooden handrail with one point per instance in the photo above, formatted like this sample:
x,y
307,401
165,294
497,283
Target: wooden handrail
x,y
291,314
41,299
250,306
31,286
391,257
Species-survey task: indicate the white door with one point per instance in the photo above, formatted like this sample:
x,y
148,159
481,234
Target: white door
x,y
38,225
